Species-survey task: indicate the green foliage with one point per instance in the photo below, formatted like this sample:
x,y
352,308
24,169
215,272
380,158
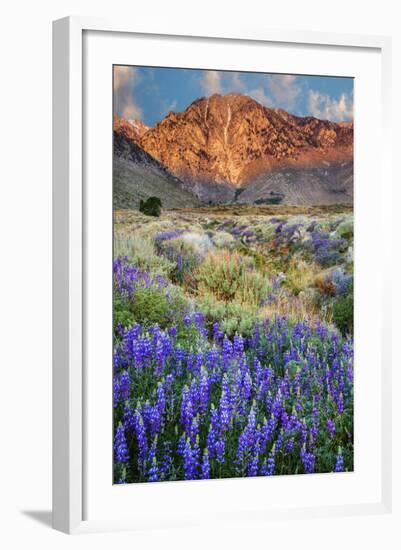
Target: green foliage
x,y
232,277
222,239
158,306
232,280
270,200
345,230
150,307
122,313
151,207
181,255
140,249
232,316
343,313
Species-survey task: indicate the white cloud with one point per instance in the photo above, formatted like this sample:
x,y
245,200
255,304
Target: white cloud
x,y
125,80
285,89
325,107
171,106
211,82
260,95
237,84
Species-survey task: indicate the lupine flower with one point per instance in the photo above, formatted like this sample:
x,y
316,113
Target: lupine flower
x,y
339,467
205,465
121,454
331,427
308,460
244,405
270,465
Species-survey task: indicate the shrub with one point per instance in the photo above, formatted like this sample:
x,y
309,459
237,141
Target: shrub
x,y
299,275
232,316
149,306
341,281
231,277
158,306
327,252
181,254
222,239
197,243
343,313
122,314
142,298
151,207
140,250
345,230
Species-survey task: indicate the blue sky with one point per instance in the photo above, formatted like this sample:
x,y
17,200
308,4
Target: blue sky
x,y
149,93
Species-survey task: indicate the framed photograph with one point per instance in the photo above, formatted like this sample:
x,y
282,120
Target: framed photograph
x,y
220,324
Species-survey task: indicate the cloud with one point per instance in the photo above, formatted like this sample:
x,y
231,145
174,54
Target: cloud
x,y
285,89
325,107
211,82
260,95
237,84
168,107
172,105
125,80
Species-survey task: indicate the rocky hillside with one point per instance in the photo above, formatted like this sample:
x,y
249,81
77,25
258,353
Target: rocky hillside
x,y
137,175
231,148
232,139
132,130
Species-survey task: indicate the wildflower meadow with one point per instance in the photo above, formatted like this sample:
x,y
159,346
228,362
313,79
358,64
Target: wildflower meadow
x,y
233,348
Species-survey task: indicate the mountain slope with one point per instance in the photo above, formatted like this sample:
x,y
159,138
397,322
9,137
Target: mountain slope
x,y
331,183
233,139
137,175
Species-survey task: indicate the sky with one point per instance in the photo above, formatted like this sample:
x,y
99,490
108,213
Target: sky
x,y
149,93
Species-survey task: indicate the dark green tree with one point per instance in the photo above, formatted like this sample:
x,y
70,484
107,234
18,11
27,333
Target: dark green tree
x,y
151,207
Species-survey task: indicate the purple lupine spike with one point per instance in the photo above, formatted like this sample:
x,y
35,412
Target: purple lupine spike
x,y
153,472
224,407
125,386
194,429
121,454
213,433
189,461
247,387
204,391
331,427
205,473
339,467
161,399
153,469
116,390
238,345
166,460
271,463
308,460
247,437
141,438
253,466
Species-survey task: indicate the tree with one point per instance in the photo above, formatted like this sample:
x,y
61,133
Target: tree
x,y
151,207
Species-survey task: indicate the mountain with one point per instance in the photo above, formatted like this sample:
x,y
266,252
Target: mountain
x,y
329,183
228,148
132,130
137,175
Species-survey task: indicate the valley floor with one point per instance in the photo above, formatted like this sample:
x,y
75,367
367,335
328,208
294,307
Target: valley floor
x,y
233,342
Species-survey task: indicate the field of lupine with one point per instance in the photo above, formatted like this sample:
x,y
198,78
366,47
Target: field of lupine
x,y
233,352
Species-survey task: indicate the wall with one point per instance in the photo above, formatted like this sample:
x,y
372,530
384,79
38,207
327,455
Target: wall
x,y
25,290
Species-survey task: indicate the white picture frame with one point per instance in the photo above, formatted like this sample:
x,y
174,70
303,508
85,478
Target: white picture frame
x,y
70,250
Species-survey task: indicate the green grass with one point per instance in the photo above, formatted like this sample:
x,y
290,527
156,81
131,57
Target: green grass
x,y
228,259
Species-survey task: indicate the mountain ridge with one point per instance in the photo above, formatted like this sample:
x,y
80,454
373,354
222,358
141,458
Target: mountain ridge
x,y
231,139
220,146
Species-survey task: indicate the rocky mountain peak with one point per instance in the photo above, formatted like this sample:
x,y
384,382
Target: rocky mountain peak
x,y
232,138
130,129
